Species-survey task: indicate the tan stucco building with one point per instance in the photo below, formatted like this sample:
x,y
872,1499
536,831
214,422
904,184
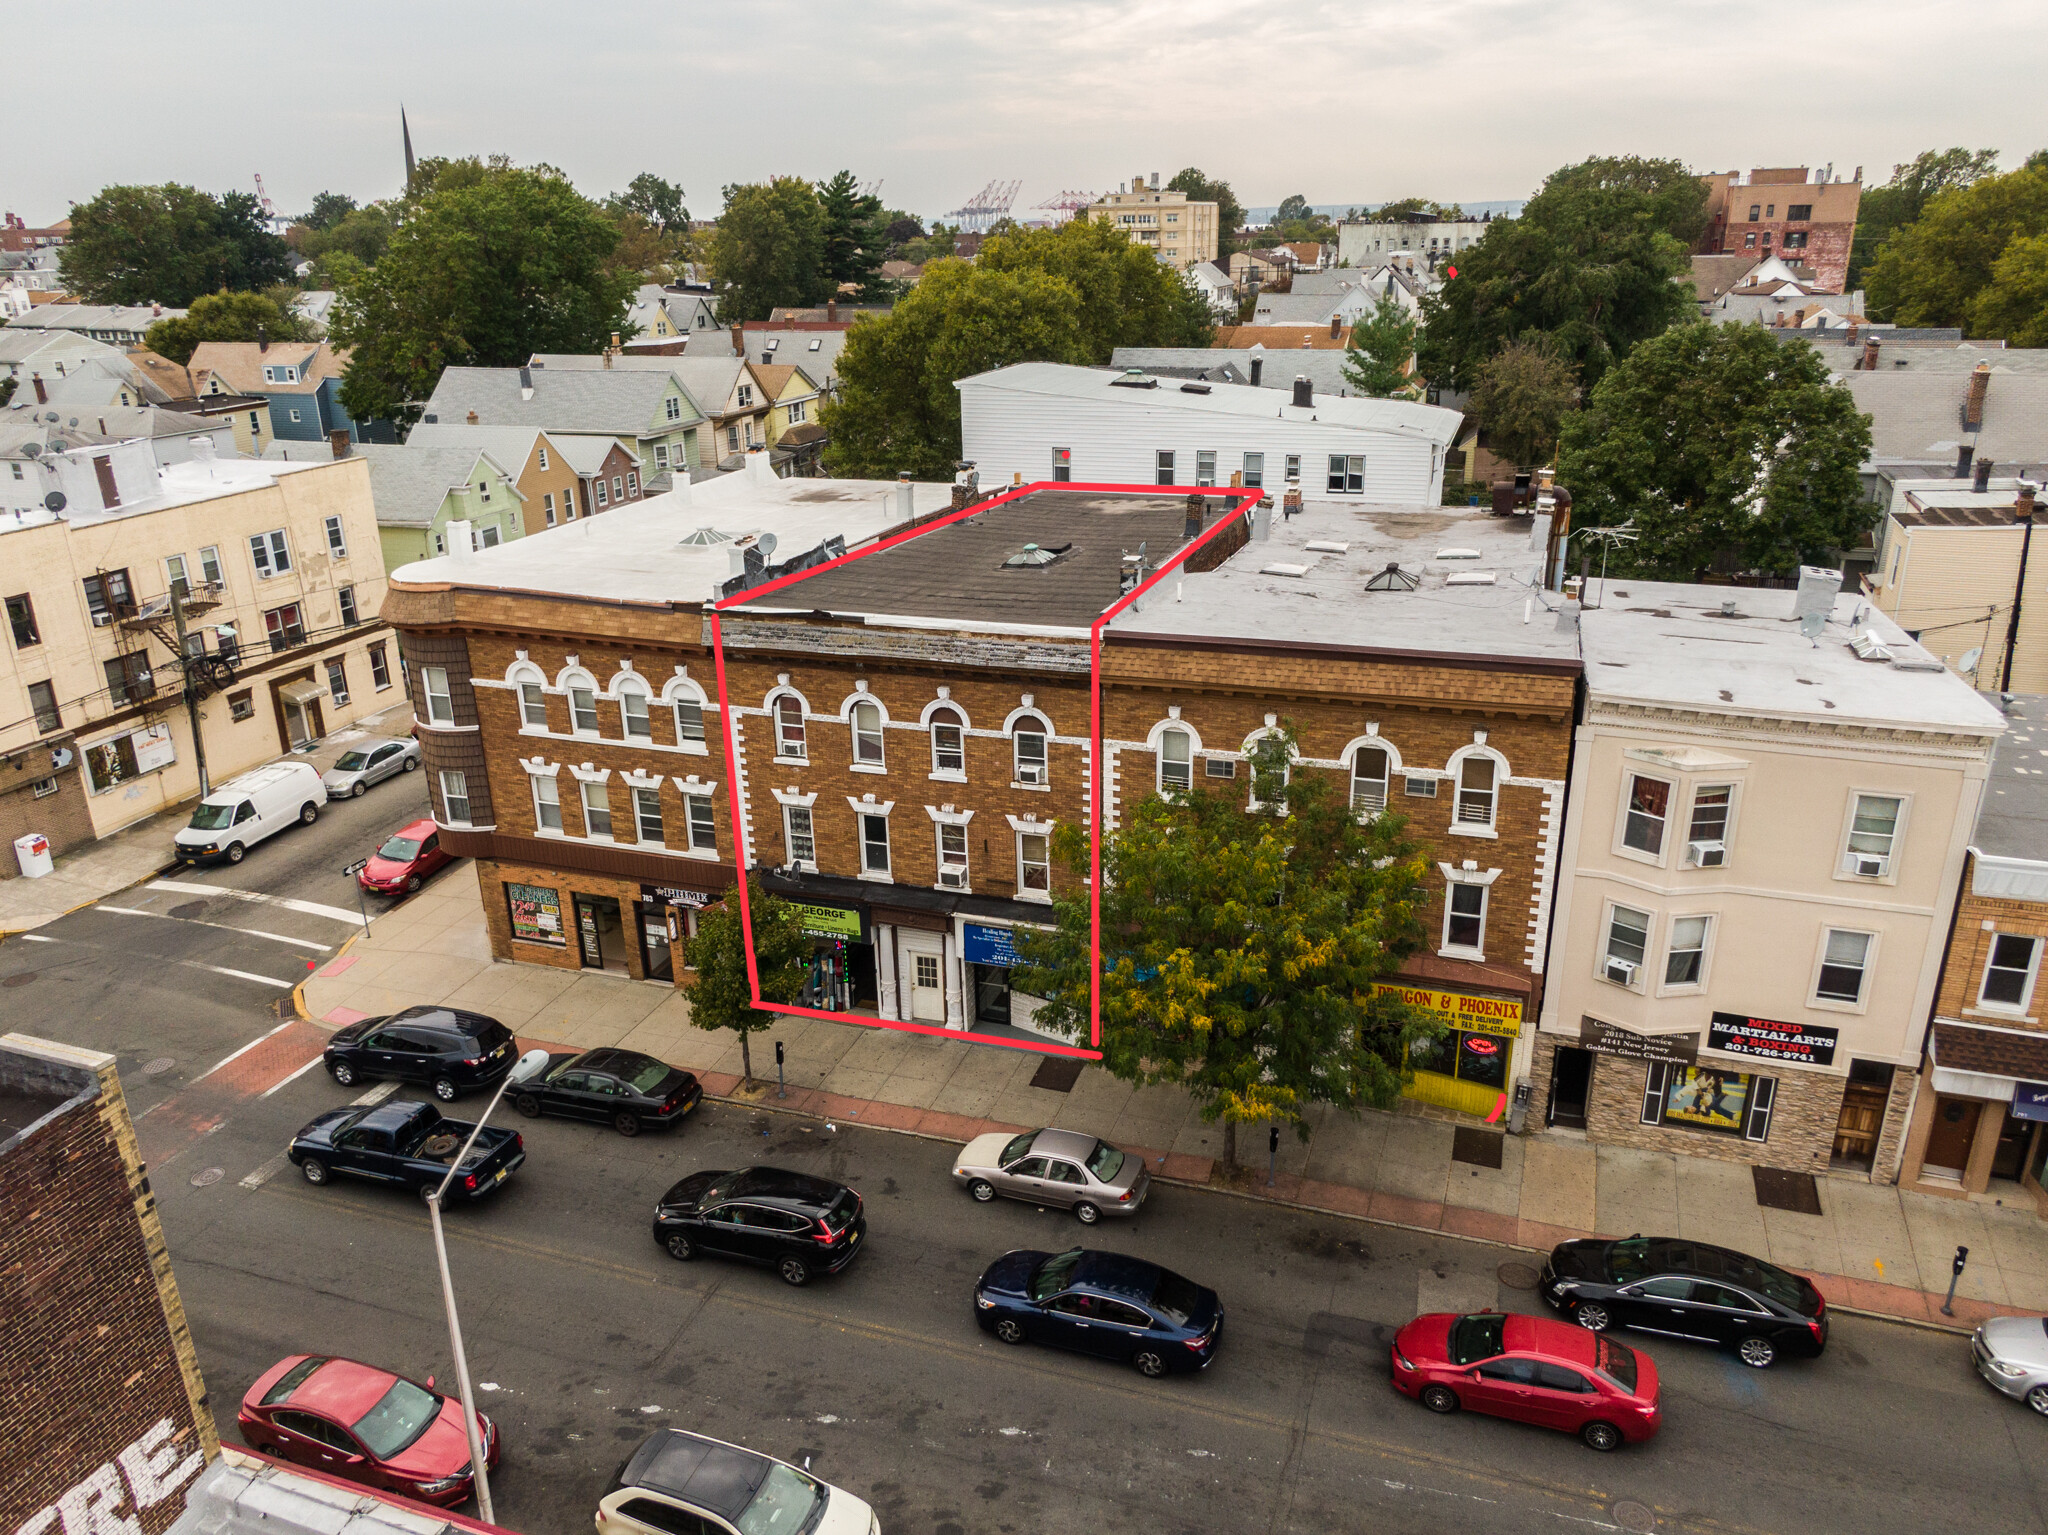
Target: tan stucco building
x,y
1179,232
1948,570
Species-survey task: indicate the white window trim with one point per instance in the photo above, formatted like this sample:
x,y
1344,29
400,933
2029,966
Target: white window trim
x,y
586,776
847,705
1819,1003
1372,738
1640,984
775,696
441,783
1251,772
966,728
1010,724
1693,787
1687,988
1020,828
2026,1001
1155,743
1673,788
694,789
1455,771
865,807
635,687
447,696
1844,870
536,769
639,778
1467,875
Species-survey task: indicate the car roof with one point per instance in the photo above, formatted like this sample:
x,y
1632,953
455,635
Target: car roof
x,y
780,1183
1675,1255
445,1017
1118,1274
720,1477
1551,1338
341,1389
1062,1143
418,830
391,1116
613,1059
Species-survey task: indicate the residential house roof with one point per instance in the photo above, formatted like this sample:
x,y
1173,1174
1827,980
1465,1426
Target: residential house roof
x,y
1918,415
774,378
237,366
1844,353
1296,308
315,305
2012,818
1233,365
408,484
92,317
621,400
815,351
173,378
511,446
97,382
1282,337
903,271
22,346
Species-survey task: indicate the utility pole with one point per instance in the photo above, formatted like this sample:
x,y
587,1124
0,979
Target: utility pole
x,y
2023,512
191,691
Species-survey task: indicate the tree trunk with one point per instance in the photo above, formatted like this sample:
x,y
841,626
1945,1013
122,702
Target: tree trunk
x,y
1230,1148
746,1060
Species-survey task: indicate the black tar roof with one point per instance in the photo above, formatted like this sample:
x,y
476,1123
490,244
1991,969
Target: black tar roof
x,y
720,1477
957,572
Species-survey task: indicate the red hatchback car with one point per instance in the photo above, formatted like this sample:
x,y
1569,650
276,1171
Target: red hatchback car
x,y
367,1425
403,863
1531,1369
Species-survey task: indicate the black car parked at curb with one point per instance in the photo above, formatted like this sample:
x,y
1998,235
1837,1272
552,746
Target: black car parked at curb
x,y
444,1047
621,1088
795,1223
1107,1304
406,1146
1683,1289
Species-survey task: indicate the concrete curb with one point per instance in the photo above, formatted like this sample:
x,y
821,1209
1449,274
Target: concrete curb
x,y
299,991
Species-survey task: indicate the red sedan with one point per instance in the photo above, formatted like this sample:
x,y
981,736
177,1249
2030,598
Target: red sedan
x,y
368,1425
403,863
1531,1369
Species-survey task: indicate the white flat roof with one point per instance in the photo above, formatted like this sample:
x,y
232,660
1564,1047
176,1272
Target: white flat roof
x,y
634,554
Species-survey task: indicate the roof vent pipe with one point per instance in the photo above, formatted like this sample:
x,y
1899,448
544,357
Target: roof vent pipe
x,y
1258,367
1262,519
1304,393
906,496
1980,477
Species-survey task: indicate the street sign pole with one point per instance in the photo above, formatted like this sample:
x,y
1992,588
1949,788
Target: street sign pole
x,y
352,871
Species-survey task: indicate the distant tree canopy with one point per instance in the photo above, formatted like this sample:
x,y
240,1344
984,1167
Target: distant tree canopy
x,y
1229,212
360,232
228,317
1410,210
769,248
329,209
1885,210
169,244
1382,346
1950,266
658,202
1588,265
1292,207
855,239
1520,398
493,263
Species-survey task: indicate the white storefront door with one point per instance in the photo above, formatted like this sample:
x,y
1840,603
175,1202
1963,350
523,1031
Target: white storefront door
x,y
925,977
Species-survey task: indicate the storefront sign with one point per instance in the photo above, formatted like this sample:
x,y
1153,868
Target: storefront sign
x,y
128,755
832,921
1612,1039
1461,1010
153,748
985,945
1808,1044
670,895
2030,1100
536,914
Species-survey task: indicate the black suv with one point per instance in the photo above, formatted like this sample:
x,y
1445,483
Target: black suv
x,y
1688,1290
799,1224
445,1048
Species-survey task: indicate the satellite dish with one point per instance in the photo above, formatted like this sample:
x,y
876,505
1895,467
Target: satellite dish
x,y
1968,664
766,544
54,501
74,420
32,449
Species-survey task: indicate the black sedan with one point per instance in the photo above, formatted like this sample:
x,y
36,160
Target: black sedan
x,y
1101,1303
621,1088
1690,1290
797,1224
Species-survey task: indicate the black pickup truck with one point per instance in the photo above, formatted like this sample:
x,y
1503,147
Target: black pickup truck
x,y
407,1145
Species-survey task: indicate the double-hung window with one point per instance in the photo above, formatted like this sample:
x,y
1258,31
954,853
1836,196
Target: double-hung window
x,y
703,830
1685,957
1176,762
547,508
874,844
1844,963
1628,939
380,669
434,694
337,677
1034,864
547,803
867,735
689,721
1706,836
455,797
633,714
1873,835
789,728
1254,471
583,711
949,746
1476,792
533,706
1465,916
952,855
597,811
1369,780
209,564
1163,473
337,539
271,554
2009,976
1649,807
21,618
1205,466
345,598
1347,474
797,836
1029,741
647,814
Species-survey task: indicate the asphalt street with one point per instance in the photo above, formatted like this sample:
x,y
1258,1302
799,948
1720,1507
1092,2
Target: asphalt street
x,y
584,1335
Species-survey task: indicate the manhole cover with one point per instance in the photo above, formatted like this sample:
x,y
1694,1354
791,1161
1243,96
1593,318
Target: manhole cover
x,y
1518,1276
21,979
1633,1516
207,1178
159,1066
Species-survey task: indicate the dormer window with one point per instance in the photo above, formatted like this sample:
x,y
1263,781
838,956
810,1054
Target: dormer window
x,y
746,396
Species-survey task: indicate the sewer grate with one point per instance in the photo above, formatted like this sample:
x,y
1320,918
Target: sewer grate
x,y
1058,1073
1777,1189
1481,1148
208,1178
159,1066
1635,1518
1518,1276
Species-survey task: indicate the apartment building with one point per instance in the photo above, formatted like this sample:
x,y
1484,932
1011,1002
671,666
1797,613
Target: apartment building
x,y
281,578
1369,243
1772,793
1800,214
1177,231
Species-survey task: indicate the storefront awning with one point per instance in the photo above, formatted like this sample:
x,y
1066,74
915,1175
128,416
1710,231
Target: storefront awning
x,y
1986,1063
304,691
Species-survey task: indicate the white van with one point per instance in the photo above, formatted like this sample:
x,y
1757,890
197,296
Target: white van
x,y
238,815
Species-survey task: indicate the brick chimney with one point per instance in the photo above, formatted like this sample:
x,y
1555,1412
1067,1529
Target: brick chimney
x,y
2023,504
1973,402
832,311
1964,453
739,342
1336,326
1870,349
1304,392
1192,529
42,394
1980,477
472,418
338,441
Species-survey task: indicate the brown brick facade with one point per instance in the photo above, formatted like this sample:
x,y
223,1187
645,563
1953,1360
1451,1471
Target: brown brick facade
x,y
62,817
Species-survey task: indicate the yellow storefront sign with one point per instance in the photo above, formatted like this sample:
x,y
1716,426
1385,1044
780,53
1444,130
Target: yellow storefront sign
x,y
1467,1068
1461,1010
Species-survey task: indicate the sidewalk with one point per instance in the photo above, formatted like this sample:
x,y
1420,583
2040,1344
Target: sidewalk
x,y
1876,1249
142,851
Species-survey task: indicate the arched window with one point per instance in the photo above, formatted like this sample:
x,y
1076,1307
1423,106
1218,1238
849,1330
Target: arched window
x,y
1369,779
867,734
789,727
632,696
1477,790
949,743
1028,738
1176,762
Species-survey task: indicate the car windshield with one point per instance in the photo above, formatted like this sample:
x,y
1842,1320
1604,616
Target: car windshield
x,y
1786,1289
1474,1338
351,762
784,1504
1628,1261
1019,1144
401,849
645,1077
1616,1361
1105,1161
1176,1299
292,1379
1053,1274
400,1416
206,817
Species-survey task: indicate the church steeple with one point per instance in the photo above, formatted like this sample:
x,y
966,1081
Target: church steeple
x,y
405,128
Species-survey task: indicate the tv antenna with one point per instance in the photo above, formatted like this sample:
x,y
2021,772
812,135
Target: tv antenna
x,y
1607,539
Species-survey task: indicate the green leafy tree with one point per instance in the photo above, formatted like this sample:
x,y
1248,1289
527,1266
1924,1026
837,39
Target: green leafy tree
x,y
1932,271
1409,210
769,248
1241,948
2015,304
362,233
722,998
1128,298
226,317
1229,212
1293,208
1884,210
329,209
7,387
1190,322
1520,399
854,238
900,228
1589,265
169,244
657,202
1719,440
1382,347
485,271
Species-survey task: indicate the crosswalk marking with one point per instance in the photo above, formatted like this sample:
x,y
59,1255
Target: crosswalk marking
x,y
374,1096
240,975
237,1055
287,1082
266,1172
311,908
35,938
250,932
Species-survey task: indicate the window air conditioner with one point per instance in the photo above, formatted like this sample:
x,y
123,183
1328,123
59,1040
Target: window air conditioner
x,y
952,879
1871,866
1621,972
1030,774
1707,855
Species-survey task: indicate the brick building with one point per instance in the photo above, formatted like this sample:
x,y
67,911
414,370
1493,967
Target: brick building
x,y
102,1408
1976,1123
1805,216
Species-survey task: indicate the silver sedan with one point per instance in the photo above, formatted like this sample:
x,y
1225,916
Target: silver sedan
x,y
1054,1167
372,762
2012,1353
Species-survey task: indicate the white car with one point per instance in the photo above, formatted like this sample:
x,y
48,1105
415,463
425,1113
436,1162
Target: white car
x,y
678,1480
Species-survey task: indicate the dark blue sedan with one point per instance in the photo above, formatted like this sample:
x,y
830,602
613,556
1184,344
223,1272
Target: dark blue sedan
x,y
1101,1303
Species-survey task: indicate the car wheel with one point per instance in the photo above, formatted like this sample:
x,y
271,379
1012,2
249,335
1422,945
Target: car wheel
x,y
1592,1316
412,885
444,1089
528,1105
626,1123
1439,1398
411,763
1010,1330
314,1169
1086,1213
343,1073
1757,1353
236,852
982,1190
308,813
794,1271
1601,1436
1150,1363
357,791
680,1247
2038,1400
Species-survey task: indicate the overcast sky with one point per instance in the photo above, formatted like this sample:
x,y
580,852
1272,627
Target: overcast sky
x,y
1343,102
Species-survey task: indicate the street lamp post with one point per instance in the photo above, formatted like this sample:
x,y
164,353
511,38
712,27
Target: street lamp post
x,y
529,1066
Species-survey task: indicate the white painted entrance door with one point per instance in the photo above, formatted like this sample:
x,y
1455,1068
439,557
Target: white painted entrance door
x,y
926,979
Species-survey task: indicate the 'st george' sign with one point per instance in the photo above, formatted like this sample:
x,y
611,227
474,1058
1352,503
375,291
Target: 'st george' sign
x,y
155,1466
